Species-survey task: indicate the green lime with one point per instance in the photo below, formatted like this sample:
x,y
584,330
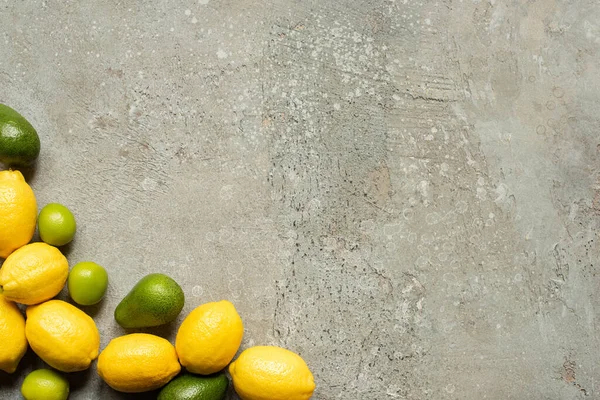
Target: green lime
x,y
45,384
19,142
56,224
87,283
192,387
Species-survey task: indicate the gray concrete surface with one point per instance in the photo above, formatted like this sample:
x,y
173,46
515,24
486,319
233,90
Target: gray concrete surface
x,y
406,193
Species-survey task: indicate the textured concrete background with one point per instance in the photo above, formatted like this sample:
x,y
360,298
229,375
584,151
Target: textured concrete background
x,y
404,192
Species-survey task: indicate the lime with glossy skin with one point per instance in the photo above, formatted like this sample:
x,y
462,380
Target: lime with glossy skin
x,y
87,283
19,141
45,384
56,224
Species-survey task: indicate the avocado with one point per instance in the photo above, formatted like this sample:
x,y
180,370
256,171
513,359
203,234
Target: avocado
x,y
193,387
19,141
155,300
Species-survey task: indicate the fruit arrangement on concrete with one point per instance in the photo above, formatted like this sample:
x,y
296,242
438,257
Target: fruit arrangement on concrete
x,y
67,339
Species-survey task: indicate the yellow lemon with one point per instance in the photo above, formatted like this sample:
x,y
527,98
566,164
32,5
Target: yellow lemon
x,y
209,337
62,335
271,373
18,212
138,362
12,336
33,274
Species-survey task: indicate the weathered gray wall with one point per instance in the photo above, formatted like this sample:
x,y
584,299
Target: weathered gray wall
x,y
406,193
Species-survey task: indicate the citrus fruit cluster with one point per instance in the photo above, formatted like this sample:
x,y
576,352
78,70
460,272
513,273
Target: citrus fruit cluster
x,y
67,339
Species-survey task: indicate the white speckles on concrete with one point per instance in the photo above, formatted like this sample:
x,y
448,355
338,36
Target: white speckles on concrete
x,y
406,193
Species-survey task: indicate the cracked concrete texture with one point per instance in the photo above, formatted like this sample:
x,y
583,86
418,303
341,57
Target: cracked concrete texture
x,y
405,193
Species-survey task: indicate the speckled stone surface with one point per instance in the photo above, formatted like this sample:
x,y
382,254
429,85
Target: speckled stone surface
x,y
406,193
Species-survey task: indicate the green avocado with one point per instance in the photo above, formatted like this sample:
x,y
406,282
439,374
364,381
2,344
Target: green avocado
x,y
155,300
19,141
193,387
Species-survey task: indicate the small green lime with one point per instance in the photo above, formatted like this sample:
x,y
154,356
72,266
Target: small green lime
x,y
45,384
192,387
56,224
19,142
87,283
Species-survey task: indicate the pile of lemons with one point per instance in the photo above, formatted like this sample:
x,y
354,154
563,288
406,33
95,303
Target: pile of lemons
x,y
67,339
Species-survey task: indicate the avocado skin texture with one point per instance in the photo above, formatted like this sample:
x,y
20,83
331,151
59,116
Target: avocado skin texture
x,y
193,387
155,300
19,141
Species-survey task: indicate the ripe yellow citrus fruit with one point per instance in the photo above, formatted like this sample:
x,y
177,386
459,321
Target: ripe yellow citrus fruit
x,y
18,212
12,336
138,362
33,274
209,337
271,373
62,335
